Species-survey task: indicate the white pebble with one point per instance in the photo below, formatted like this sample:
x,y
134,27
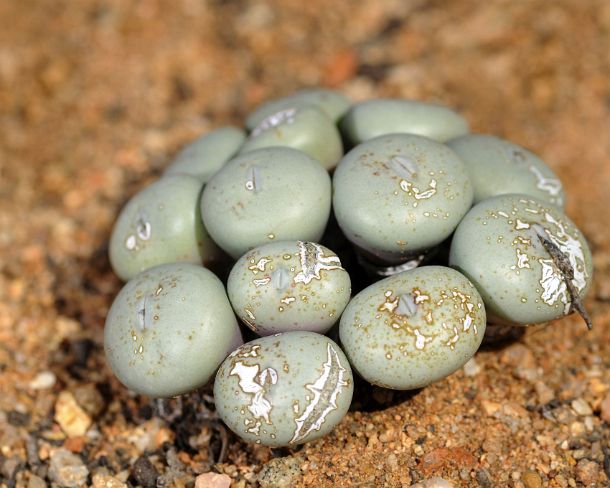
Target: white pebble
x,y
435,482
472,368
581,407
43,381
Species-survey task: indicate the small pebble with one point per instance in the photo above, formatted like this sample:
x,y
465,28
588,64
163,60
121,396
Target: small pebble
x,y
579,454
605,409
596,451
544,393
67,469
75,444
18,419
392,462
577,429
489,407
89,398
518,355
483,479
72,419
581,407
8,467
36,482
280,473
122,476
31,446
437,458
144,473
212,480
589,423
43,381
435,482
587,472
531,479
105,481
472,368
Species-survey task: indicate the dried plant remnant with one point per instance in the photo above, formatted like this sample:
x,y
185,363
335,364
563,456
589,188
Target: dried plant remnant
x,y
564,266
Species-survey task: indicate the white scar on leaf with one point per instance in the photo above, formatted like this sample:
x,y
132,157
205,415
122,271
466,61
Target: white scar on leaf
x,y
286,116
251,382
313,261
408,188
325,391
550,185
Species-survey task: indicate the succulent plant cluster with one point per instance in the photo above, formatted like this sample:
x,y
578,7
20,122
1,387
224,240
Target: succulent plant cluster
x,y
437,230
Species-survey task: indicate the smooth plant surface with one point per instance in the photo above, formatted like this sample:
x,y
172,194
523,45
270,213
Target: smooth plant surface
x,y
332,103
497,166
400,194
285,389
161,224
307,129
168,330
203,157
402,201
499,246
413,328
290,285
373,118
269,194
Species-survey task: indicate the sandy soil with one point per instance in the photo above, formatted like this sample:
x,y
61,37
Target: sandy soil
x,y
95,98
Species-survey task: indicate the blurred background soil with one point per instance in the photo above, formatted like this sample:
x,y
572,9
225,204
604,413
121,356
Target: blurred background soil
x,y
96,97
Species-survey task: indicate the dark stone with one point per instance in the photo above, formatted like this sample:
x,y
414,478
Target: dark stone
x,y
144,473
182,90
145,412
471,393
375,72
18,419
9,467
393,25
484,479
81,349
31,447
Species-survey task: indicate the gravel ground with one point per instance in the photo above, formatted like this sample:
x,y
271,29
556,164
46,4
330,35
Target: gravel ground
x,y
96,97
